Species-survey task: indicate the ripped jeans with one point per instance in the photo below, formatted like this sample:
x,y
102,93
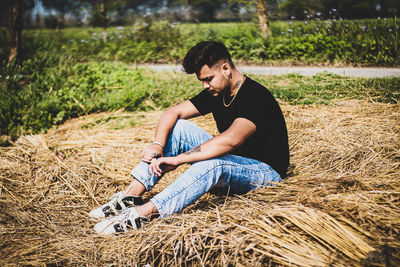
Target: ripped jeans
x,y
230,173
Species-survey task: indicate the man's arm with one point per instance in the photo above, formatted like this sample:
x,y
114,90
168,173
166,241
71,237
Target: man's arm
x,y
233,137
184,110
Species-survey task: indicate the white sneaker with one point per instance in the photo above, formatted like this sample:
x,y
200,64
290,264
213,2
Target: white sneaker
x,y
127,220
118,203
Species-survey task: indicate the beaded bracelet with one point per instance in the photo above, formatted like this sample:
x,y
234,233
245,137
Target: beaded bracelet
x,y
157,143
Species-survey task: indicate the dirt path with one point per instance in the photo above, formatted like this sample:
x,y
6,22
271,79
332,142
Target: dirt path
x,y
306,71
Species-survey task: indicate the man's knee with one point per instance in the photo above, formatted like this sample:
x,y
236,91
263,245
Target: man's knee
x,y
182,124
181,127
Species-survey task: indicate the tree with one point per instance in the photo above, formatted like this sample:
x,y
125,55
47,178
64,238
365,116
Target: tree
x,y
389,8
14,10
15,29
102,11
300,8
262,15
62,7
204,10
349,9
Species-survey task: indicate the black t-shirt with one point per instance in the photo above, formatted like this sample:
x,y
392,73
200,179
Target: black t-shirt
x,y
254,102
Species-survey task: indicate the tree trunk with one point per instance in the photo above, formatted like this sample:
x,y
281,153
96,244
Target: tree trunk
x,y
58,22
103,19
60,19
263,18
15,30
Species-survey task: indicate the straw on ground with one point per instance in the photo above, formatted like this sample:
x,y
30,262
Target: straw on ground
x,y
340,206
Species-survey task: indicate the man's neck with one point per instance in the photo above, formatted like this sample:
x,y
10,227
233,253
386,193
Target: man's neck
x,y
236,81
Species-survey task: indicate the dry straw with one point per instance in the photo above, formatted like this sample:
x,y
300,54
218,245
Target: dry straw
x,y
339,207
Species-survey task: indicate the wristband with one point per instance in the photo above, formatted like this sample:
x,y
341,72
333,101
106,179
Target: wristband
x,y
157,143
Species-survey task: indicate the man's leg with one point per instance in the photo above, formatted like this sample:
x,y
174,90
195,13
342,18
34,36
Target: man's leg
x,y
235,174
135,188
238,174
183,137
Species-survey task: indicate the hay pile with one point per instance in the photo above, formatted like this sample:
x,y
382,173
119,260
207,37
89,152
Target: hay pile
x,y
339,207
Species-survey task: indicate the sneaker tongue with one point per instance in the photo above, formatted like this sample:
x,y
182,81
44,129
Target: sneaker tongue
x,y
133,215
117,196
131,218
132,200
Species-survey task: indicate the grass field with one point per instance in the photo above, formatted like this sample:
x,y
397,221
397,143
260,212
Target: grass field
x,y
35,102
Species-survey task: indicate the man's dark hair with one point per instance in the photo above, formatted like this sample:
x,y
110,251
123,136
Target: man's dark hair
x,y
205,53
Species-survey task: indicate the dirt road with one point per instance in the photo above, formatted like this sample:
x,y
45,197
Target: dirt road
x,y
306,71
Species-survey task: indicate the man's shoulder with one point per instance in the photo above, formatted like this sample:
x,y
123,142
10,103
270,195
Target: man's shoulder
x,y
256,89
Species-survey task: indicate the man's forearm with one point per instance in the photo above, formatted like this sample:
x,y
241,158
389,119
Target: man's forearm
x,y
215,147
224,143
165,126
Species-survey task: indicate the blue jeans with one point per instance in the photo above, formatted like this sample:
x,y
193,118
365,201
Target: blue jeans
x,y
230,173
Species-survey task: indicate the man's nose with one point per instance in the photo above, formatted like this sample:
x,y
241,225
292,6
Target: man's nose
x,y
206,85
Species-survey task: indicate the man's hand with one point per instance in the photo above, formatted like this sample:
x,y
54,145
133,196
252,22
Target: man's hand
x,y
160,166
184,110
152,151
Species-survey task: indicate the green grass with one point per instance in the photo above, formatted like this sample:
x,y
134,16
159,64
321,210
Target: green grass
x,y
35,97
326,88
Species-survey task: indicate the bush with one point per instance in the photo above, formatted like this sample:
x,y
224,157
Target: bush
x,y
148,42
367,42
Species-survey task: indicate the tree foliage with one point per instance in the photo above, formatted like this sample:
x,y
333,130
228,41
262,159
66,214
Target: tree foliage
x,y
350,9
62,7
202,10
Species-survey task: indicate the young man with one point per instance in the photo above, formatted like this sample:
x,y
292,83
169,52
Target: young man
x,y
251,149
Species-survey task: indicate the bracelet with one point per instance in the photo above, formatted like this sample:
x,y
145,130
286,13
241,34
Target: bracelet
x,y
157,143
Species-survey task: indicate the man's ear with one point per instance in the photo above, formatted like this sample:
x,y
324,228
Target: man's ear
x,y
226,70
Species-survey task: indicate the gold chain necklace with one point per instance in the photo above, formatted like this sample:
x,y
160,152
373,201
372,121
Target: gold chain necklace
x,y
223,97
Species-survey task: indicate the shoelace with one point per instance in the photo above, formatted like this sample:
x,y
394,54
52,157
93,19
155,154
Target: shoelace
x,y
117,199
127,219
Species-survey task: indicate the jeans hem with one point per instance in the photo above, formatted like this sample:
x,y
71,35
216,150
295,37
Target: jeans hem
x,y
140,179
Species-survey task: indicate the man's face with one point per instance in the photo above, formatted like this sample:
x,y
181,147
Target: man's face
x,y
215,79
